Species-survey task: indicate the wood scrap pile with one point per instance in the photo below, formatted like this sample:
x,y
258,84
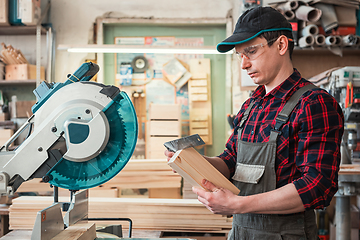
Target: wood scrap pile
x,y
10,55
146,213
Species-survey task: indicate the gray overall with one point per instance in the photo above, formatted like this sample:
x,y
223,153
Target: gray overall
x,y
255,173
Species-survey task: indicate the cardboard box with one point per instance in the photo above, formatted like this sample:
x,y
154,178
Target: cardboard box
x,y
23,109
4,116
5,135
22,72
30,11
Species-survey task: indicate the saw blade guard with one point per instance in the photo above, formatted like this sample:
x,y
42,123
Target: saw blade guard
x,y
122,120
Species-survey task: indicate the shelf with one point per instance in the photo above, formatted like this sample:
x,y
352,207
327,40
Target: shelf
x,y
325,50
20,30
114,48
17,82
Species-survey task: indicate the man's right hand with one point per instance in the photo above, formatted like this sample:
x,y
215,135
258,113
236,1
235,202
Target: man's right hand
x,y
169,155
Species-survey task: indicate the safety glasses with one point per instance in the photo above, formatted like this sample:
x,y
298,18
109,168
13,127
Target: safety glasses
x,y
254,51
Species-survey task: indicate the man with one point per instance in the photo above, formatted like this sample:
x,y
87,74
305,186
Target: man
x,y
284,153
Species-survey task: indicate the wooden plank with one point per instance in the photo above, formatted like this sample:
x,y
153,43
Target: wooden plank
x,y
164,111
194,168
198,83
78,231
150,213
349,169
199,97
198,124
164,192
197,90
156,146
165,128
200,131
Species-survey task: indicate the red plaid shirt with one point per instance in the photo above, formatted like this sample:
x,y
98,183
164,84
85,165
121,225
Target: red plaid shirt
x,y
308,149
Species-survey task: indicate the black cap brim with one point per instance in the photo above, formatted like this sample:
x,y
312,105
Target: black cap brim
x,y
239,38
233,40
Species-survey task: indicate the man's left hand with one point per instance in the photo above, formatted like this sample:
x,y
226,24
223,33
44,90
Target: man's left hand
x,y
217,200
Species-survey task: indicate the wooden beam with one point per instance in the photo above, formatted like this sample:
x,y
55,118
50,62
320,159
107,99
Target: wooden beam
x,y
194,168
78,231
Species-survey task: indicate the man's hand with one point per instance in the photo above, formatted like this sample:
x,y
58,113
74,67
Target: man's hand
x,y
169,155
217,200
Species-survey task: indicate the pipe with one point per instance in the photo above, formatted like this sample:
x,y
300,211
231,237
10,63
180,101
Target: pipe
x,y
343,216
306,41
338,40
288,6
333,40
311,29
349,40
320,40
307,13
289,15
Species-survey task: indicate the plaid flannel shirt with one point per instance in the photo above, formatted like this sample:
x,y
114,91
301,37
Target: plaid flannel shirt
x,y
308,149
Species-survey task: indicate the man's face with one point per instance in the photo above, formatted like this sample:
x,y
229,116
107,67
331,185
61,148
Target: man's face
x,y
259,60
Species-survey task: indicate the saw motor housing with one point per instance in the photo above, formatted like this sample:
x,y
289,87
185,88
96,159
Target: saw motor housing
x,y
82,134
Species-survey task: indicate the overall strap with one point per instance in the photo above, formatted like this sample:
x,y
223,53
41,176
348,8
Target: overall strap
x,y
245,117
246,114
283,116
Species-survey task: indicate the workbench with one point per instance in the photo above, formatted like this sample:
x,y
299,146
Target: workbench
x,y
136,234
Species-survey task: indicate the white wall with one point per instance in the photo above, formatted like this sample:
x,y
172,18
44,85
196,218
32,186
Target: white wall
x,y
73,20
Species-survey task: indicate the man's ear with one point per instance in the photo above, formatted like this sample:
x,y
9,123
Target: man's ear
x,y
283,45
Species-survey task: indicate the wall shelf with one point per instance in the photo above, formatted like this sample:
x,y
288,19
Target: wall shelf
x,y
20,30
17,82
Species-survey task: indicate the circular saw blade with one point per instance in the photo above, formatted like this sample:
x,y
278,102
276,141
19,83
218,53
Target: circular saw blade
x,y
123,136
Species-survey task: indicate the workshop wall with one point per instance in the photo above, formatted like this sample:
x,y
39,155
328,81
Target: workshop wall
x,y
73,21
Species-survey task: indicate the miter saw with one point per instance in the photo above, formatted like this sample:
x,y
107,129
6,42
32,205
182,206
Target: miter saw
x,y
81,134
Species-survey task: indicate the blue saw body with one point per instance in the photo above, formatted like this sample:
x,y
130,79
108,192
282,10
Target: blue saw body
x,y
123,130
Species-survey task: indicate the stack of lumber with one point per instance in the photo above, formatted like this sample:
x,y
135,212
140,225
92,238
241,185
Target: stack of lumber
x,y
145,173
10,55
152,174
146,213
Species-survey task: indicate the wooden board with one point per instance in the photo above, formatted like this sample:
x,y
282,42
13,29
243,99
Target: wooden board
x,y
155,146
349,169
194,168
164,111
146,213
165,128
78,231
137,174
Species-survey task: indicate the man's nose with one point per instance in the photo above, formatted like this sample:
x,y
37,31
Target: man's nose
x,y
245,63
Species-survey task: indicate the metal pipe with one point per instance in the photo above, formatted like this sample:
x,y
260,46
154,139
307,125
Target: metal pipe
x,y
342,217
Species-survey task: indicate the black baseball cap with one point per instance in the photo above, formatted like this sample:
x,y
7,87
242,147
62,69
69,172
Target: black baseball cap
x,y
252,23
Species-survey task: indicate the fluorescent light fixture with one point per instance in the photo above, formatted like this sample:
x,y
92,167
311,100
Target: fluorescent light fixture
x,y
112,48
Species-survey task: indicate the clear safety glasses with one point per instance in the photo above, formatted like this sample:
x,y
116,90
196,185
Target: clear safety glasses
x,y
254,51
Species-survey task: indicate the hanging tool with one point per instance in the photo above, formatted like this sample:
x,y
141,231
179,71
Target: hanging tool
x,y
349,98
